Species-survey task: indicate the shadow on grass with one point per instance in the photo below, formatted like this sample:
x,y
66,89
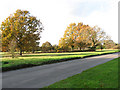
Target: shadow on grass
x,y
56,55
103,51
53,55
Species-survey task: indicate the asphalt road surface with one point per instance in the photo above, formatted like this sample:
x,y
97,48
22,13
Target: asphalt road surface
x,y
41,76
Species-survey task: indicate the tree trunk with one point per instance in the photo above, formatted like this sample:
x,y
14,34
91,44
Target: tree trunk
x,y
94,48
80,48
20,52
83,49
72,48
33,51
101,47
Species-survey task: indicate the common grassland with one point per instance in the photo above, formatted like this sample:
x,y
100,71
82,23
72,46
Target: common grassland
x,y
28,60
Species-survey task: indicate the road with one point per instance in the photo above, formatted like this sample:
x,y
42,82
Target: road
x,y
40,76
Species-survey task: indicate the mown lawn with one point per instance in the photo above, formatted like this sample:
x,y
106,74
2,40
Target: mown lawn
x,y
28,60
101,76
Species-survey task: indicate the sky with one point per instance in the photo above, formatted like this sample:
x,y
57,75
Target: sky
x,y
56,15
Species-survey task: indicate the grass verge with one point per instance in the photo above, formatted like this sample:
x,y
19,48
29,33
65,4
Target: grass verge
x,y
29,60
101,76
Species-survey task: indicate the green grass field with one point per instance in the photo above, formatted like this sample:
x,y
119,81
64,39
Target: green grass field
x,y
28,60
101,76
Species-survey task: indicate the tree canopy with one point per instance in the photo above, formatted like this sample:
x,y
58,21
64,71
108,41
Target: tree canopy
x,y
24,28
82,36
46,46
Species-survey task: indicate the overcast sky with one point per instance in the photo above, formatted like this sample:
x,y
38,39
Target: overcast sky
x,y
56,15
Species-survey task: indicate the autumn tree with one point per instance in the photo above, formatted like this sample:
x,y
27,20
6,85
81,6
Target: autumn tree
x,y
109,44
68,38
76,36
82,39
46,46
23,27
97,36
63,44
117,46
55,47
83,36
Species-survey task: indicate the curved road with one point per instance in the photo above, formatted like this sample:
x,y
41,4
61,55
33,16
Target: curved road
x,y
40,76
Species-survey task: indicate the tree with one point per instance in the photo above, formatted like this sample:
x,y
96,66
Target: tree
x,y
75,36
117,46
68,38
82,39
82,36
46,46
23,27
97,36
109,44
54,47
63,44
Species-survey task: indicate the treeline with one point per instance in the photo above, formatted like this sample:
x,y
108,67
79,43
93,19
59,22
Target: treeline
x,y
109,44
21,32
80,36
